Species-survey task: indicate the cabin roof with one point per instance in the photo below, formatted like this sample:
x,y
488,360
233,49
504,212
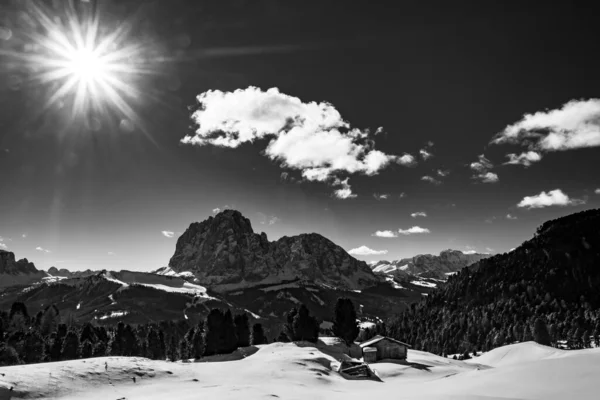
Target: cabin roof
x,y
378,338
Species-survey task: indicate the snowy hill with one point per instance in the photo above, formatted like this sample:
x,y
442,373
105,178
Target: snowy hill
x,y
290,371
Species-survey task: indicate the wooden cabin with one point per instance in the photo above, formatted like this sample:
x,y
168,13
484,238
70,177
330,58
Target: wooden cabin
x,y
383,347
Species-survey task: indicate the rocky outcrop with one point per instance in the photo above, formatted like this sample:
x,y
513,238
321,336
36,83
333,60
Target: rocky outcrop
x,y
65,273
224,253
20,272
428,265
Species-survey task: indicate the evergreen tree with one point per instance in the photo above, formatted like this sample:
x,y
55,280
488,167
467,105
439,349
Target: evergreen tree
x,y
258,335
344,321
70,348
49,321
173,350
220,335
242,330
99,349
154,349
184,351
540,332
88,333
33,347
87,349
18,308
305,326
8,356
56,343
198,342
230,340
283,338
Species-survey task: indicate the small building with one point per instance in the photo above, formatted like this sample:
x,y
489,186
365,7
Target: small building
x,y
382,347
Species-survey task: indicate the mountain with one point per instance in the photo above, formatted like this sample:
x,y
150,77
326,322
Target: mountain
x,y
428,265
223,252
551,283
65,273
20,272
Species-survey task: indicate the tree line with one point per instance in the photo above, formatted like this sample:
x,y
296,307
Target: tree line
x,y
48,336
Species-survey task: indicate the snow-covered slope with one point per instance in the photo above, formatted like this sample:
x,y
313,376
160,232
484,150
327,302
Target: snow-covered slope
x,y
290,371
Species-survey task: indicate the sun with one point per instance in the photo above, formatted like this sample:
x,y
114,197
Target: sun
x,y
89,65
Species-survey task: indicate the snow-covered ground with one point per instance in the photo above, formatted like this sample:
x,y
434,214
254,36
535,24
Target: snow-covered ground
x,y
290,371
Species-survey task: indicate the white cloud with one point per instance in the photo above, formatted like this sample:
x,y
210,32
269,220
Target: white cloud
x,y
510,216
525,159
482,165
403,195
489,220
24,235
3,246
284,176
413,230
597,191
216,210
310,137
365,251
383,196
487,177
575,125
385,234
43,250
168,234
469,252
345,192
430,179
425,155
418,214
273,220
489,250
442,173
554,197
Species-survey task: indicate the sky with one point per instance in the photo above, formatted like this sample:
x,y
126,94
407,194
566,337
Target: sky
x,y
393,129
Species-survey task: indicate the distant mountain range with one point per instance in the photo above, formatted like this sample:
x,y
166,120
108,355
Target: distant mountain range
x,y
438,267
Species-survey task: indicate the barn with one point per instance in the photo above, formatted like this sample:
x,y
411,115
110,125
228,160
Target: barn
x,y
382,347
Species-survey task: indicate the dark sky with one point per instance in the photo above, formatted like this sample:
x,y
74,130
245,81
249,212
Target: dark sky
x,y
452,74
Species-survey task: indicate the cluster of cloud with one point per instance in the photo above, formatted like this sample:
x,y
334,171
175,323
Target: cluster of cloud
x,y
439,173
217,210
365,251
554,197
597,191
575,125
510,216
425,152
263,219
431,179
309,137
481,170
168,234
410,231
43,250
382,196
418,214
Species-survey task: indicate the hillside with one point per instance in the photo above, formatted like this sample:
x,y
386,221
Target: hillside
x,y
545,289
306,371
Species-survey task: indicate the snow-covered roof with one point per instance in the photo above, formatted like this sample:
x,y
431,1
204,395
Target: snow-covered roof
x,y
377,338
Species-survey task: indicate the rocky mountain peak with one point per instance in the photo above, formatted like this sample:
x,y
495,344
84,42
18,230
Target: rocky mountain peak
x,y
8,264
224,252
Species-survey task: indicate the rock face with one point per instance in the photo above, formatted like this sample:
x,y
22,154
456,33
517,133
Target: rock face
x,y
223,252
428,265
65,273
20,272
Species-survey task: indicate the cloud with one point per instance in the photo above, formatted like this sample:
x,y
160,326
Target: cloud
x,y
469,252
383,196
489,250
442,173
403,195
575,125
430,179
597,191
3,246
525,159
309,137
284,176
385,234
345,192
24,236
43,250
487,177
365,251
168,234
509,216
425,155
482,165
418,214
216,210
110,253
273,220
554,197
414,230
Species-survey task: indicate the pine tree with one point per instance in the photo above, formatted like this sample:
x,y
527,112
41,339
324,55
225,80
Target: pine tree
x,y
70,348
230,339
242,330
184,352
258,335
305,326
344,321
173,350
8,356
33,347
540,332
87,349
198,342
283,338
153,345
99,349
49,321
